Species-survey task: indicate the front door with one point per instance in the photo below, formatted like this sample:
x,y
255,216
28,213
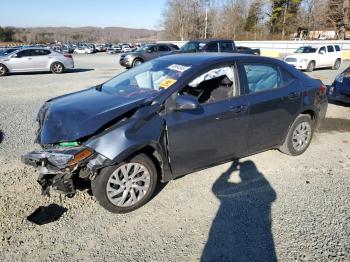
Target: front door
x,y
212,133
21,61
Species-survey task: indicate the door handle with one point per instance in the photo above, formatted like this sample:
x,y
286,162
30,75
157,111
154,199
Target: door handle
x,y
239,109
29,58
294,95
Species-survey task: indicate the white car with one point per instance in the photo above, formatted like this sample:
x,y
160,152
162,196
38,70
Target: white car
x,y
126,48
310,57
83,50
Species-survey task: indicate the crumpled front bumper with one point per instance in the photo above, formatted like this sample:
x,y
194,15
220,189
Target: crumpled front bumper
x,y
59,179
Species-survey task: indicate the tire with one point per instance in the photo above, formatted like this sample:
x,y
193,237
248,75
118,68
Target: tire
x,y
300,133
110,185
57,68
3,70
337,64
137,62
311,66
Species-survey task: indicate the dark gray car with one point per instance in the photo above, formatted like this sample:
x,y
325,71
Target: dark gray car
x,y
146,53
169,117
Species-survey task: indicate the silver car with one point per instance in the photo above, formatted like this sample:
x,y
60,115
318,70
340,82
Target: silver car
x,y
34,60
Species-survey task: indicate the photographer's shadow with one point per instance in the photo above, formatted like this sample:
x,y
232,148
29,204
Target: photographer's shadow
x,y
241,230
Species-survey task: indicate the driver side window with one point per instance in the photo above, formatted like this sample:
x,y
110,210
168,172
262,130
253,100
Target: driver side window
x,y
213,86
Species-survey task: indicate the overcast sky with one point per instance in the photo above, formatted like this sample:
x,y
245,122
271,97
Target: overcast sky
x,y
76,13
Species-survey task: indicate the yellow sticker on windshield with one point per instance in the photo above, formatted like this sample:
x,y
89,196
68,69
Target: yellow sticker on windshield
x,y
167,83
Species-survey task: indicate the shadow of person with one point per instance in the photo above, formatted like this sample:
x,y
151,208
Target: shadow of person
x,y
1,136
241,230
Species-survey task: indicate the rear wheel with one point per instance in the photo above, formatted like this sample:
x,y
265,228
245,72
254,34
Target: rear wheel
x,y
127,186
137,62
310,66
299,136
336,64
3,70
57,68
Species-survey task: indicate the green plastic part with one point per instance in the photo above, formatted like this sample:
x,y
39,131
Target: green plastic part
x,y
68,144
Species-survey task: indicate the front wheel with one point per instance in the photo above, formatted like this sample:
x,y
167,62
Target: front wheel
x,y
127,186
310,66
57,68
137,62
299,136
3,70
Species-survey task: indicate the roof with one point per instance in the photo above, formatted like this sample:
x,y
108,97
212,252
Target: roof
x,y
209,58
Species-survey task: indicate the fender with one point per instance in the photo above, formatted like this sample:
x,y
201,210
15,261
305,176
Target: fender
x,y
125,139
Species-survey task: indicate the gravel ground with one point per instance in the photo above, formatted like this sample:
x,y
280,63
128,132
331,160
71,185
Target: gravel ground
x,y
266,207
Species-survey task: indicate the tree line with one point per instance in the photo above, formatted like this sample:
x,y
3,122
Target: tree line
x,y
254,19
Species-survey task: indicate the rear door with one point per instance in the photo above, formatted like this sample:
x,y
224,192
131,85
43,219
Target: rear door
x,y
40,59
212,133
331,55
274,98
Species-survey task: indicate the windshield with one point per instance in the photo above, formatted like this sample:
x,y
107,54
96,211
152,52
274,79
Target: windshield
x,y
306,49
151,77
192,46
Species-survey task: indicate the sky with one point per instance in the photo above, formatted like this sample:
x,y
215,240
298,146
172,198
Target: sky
x,y
76,13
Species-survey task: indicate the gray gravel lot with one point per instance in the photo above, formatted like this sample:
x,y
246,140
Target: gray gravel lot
x,y
267,206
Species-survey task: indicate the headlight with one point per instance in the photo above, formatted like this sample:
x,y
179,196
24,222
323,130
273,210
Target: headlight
x,y
303,60
69,157
331,90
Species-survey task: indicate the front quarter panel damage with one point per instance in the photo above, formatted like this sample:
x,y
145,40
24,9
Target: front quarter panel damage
x,y
144,129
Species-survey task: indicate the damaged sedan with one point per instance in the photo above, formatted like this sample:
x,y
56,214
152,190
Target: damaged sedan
x,y
169,117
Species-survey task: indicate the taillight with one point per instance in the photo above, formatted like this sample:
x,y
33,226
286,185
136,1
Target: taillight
x,y
323,89
66,55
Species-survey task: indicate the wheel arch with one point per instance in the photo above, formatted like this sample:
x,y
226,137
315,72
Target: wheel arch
x,y
6,67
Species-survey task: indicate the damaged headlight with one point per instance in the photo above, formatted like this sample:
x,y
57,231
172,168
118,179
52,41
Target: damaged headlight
x,y
69,157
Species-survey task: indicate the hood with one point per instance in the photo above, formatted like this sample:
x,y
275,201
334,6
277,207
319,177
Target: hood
x,y
78,115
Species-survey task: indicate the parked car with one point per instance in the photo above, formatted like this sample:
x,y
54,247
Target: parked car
x,y
83,50
340,89
169,117
117,48
146,53
35,59
125,48
111,51
248,50
208,45
68,49
311,57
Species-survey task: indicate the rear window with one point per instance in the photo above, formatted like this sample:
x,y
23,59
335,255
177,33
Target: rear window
x,y
263,77
337,48
226,47
330,48
212,47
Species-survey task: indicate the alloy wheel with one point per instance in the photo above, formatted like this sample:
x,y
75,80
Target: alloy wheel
x,y
301,136
128,184
57,68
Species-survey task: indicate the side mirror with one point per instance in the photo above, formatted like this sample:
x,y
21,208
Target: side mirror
x,y
321,52
149,50
185,102
15,56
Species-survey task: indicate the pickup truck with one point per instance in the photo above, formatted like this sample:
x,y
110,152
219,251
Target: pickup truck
x,y
310,57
